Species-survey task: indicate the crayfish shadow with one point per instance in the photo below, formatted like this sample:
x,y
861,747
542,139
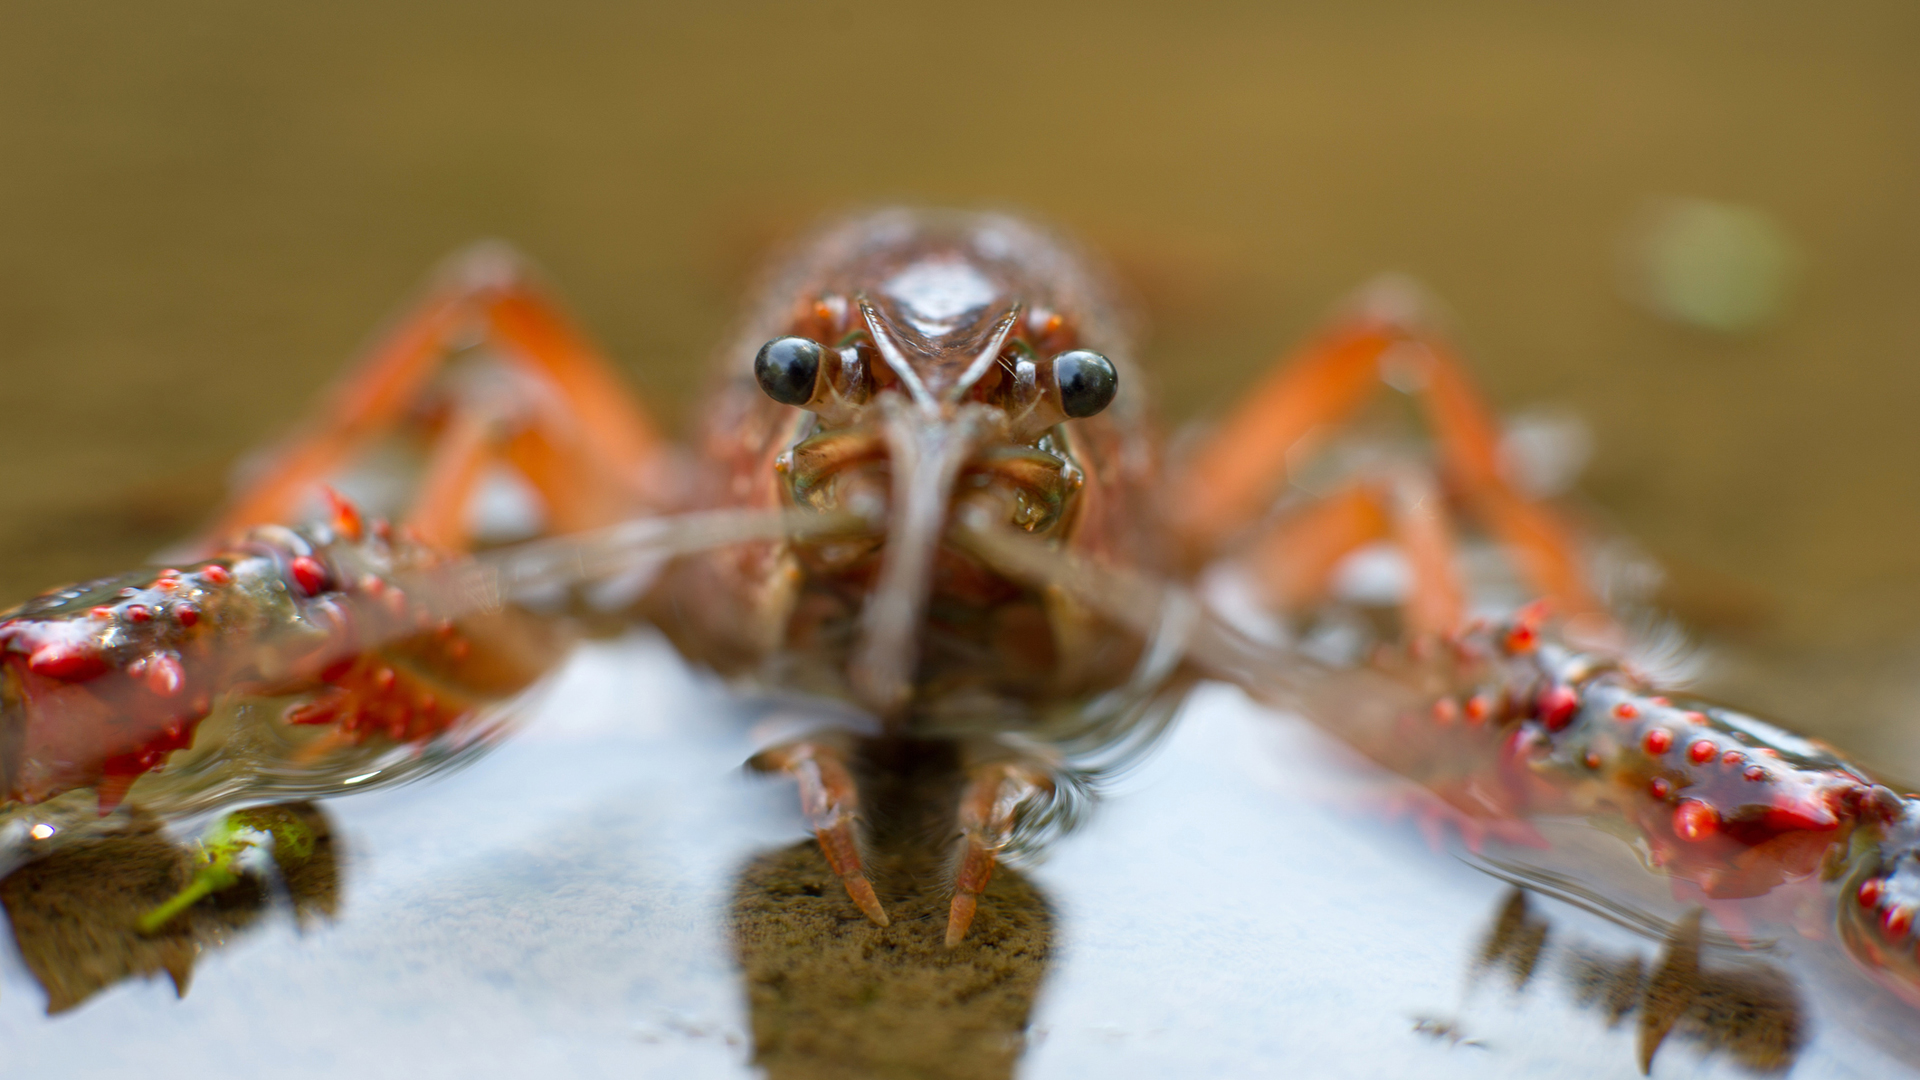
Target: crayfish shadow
x,y
73,912
1701,987
831,994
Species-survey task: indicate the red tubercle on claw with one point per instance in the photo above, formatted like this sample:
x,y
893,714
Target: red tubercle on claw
x,y
164,675
1702,751
186,614
1592,759
1445,711
1521,639
308,574
346,516
1869,893
1478,708
1897,921
1695,820
68,661
1657,741
1732,757
215,574
1557,706
1626,710
1659,787
139,613
1756,774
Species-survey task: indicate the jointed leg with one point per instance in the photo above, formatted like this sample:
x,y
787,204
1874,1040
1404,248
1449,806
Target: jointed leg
x,y
1238,472
1470,446
1297,557
1294,562
460,458
994,795
832,806
560,415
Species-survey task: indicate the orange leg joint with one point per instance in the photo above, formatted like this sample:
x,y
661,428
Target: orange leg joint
x,y
564,420
1240,470
831,804
988,809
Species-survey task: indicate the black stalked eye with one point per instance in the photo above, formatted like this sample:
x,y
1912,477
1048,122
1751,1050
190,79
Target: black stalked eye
x,y
787,368
1087,382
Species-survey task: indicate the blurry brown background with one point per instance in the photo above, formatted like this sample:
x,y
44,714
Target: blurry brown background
x,y
205,208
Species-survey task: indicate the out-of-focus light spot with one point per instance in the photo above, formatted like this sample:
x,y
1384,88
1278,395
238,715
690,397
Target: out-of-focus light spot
x,y
1710,265
40,831
1543,450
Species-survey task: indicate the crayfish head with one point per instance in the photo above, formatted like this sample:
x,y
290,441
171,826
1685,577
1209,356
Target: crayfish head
x,y
941,356
937,367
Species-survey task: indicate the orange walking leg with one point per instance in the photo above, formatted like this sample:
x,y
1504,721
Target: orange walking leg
x,y
1239,470
563,418
1294,562
831,803
993,797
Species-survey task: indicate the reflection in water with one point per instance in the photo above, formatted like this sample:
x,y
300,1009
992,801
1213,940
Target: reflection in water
x,y
74,912
831,994
1738,1004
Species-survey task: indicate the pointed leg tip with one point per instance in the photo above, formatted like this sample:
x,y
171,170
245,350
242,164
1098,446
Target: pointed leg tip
x,y
861,890
960,918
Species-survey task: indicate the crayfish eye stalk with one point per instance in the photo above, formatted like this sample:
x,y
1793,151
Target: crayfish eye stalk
x,y
1087,382
788,369
1073,385
801,372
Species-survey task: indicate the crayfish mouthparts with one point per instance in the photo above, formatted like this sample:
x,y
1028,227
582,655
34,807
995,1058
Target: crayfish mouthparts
x,y
926,454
